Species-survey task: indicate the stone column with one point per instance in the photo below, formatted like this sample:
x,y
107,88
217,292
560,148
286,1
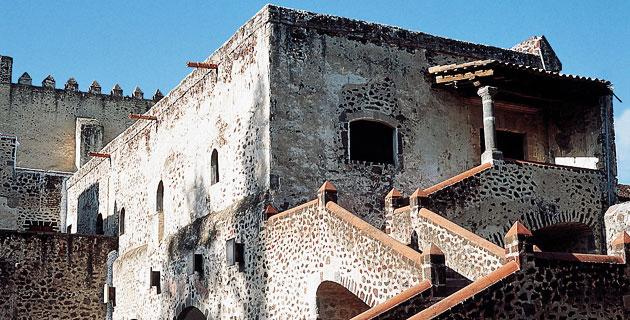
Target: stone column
x,y
489,132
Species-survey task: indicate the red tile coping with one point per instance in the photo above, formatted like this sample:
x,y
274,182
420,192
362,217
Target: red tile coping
x,y
579,257
394,193
402,209
374,233
394,301
456,229
468,291
623,238
293,210
327,186
518,229
458,178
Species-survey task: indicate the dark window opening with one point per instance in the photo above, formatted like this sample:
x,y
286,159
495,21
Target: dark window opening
x,y
121,222
198,264
155,280
214,167
159,198
99,224
512,144
371,141
69,229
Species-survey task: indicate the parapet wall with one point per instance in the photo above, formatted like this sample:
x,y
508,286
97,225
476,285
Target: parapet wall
x,y
52,276
544,286
29,199
44,117
540,195
311,244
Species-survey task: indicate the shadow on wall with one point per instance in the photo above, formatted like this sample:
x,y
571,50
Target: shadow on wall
x,y
87,210
335,302
89,219
572,237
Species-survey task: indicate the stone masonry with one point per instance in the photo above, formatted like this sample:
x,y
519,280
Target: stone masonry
x,y
296,101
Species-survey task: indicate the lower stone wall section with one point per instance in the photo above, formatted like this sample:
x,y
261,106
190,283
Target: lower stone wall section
x,y
546,288
29,199
52,276
312,245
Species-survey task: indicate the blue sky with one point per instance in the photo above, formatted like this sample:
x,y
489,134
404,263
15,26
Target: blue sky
x,y
147,43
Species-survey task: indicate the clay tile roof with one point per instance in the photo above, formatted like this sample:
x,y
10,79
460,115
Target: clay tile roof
x,y
270,210
394,193
327,186
469,66
418,193
623,238
518,229
433,250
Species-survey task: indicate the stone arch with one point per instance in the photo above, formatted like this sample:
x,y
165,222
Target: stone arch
x,y
191,313
336,302
574,237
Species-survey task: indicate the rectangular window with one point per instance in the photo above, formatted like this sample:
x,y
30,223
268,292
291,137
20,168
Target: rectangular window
x,y
512,144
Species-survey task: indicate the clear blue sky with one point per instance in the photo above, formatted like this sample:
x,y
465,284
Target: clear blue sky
x,y
147,43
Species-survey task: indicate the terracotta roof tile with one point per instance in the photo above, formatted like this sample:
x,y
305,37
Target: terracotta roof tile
x,y
394,193
518,229
394,301
327,186
623,238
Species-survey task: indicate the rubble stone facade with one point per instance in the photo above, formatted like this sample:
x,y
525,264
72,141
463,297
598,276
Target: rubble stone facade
x,y
294,99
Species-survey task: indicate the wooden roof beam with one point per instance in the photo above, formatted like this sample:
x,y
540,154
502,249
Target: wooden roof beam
x,y
202,65
136,116
99,155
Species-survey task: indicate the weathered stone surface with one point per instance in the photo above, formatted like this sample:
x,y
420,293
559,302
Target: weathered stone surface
x,y
52,276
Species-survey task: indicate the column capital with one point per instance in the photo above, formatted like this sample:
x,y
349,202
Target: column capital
x,y
487,91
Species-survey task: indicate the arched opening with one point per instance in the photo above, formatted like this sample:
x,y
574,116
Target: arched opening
x,y
565,237
372,141
413,242
214,167
121,222
191,313
159,207
334,302
98,229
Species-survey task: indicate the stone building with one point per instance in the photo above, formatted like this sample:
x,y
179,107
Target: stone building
x,y
55,130
414,176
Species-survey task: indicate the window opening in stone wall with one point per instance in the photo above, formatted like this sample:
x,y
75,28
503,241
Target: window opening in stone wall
x,y
99,224
121,222
372,141
512,144
198,264
69,229
214,167
159,206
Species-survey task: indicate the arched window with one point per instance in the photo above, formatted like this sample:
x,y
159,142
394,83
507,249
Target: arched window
x,y
159,207
214,167
99,224
372,141
159,197
121,222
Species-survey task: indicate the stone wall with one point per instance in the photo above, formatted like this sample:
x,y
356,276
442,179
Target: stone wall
x,y
310,244
550,287
29,199
44,118
539,195
465,252
52,276
329,71
617,219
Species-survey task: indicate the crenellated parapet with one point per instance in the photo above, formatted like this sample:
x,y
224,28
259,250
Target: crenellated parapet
x,y
44,115
71,85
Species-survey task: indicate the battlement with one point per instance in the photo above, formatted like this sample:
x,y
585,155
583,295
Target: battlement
x,y
70,86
